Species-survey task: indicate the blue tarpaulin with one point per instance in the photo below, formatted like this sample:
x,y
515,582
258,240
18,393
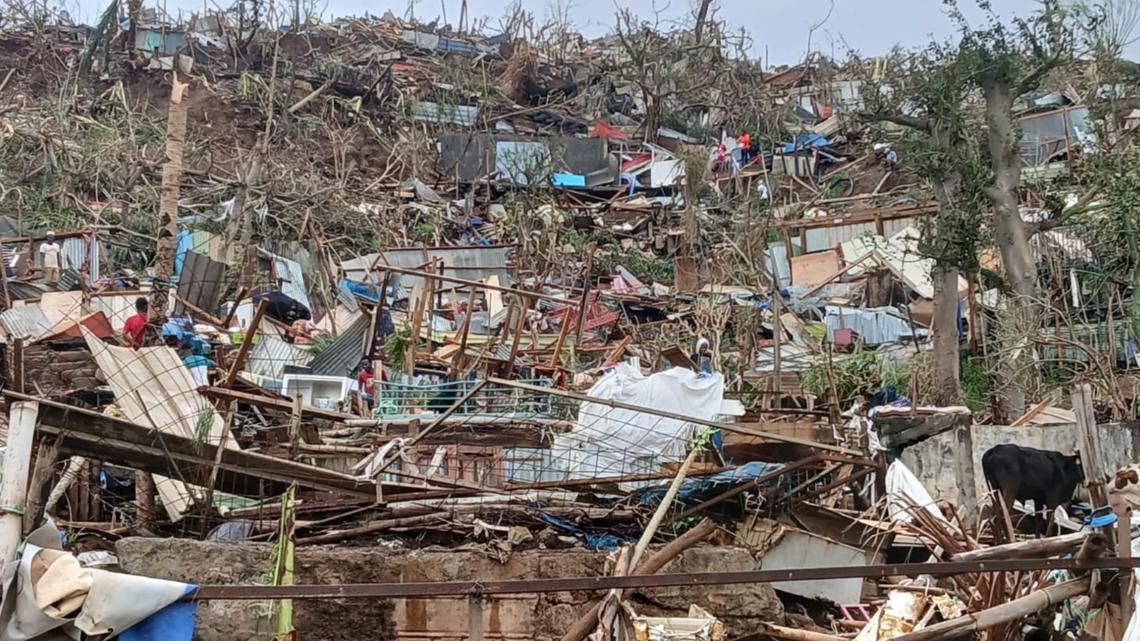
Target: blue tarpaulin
x,y
593,541
175,622
806,141
697,486
361,290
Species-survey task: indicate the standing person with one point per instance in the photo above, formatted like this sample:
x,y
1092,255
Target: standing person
x,y
134,330
745,140
702,358
49,251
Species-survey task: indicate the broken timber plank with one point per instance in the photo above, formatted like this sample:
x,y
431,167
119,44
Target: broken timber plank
x,y
87,433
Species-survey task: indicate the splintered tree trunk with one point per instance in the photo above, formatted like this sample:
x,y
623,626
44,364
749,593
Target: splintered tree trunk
x,y
168,203
947,388
1013,242
702,15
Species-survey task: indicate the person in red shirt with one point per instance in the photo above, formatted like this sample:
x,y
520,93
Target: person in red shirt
x,y
135,328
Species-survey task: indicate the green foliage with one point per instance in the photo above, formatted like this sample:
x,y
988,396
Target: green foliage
x,y
424,231
202,429
977,383
321,343
395,345
861,373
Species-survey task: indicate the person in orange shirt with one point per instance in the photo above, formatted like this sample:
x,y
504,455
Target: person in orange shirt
x,y
745,140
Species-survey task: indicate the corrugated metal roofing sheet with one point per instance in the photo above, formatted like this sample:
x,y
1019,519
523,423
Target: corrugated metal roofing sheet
x,y
27,321
69,279
270,356
344,354
290,275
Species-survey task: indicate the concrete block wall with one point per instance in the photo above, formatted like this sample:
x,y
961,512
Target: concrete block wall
x,y
932,460
540,617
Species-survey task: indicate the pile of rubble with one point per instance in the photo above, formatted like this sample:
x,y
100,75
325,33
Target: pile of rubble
x,y
499,301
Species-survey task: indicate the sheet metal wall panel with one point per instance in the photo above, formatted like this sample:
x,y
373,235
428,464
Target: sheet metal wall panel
x,y
200,283
470,263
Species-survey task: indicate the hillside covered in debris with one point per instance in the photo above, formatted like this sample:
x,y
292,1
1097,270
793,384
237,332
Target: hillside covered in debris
x,y
520,334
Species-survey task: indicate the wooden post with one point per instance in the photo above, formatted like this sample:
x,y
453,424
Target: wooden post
x,y
1124,578
1031,549
777,340
1089,443
46,454
460,360
14,486
295,425
144,500
967,504
18,365
246,345
585,297
520,323
4,282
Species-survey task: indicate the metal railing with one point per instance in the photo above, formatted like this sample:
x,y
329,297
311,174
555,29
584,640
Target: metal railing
x,y
399,399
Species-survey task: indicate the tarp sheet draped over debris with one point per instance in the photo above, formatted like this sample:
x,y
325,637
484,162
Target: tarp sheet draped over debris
x,y
49,596
153,388
609,441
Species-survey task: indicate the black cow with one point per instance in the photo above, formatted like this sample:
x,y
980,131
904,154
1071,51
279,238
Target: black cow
x,y
1024,473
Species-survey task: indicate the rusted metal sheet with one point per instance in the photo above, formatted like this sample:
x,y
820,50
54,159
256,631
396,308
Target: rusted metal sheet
x,y
200,283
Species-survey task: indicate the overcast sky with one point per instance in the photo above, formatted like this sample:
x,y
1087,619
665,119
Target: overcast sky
x,y
778,28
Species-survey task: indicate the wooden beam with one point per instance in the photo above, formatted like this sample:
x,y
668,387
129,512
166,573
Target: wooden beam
x,y
246,345
233,308
102,437
280,403
470,283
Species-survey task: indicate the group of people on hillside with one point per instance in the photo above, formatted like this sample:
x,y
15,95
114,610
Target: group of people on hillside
x,y
740,156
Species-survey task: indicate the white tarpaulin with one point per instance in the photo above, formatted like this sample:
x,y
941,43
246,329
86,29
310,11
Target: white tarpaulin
x,y
153,388
48,595
609,441
901,482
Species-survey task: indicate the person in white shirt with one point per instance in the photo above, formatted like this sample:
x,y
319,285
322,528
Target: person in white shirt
x,y
49,250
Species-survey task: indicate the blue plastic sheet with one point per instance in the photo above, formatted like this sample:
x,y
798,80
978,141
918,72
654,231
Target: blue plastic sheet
x,y
593,541
806,141
696,487
175,622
